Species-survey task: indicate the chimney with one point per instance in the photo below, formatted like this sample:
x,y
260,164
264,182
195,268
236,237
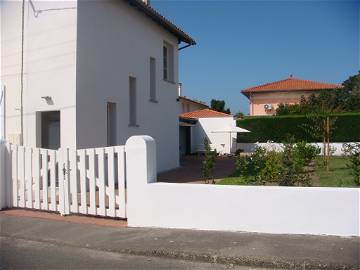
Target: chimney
x,y
146,2
180,89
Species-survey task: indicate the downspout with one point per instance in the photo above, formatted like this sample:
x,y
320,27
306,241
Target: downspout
x,y
22,76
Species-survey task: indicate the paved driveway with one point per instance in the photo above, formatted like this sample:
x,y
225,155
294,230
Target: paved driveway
x,y
190,170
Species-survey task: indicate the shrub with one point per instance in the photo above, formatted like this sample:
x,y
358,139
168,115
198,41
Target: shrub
x,y
305,153
286,168
278,128
208,163
353,151
273,168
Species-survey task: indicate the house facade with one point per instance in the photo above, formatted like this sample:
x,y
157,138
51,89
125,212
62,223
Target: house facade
x,y
188,105
185,105
219,128
84,74
264,99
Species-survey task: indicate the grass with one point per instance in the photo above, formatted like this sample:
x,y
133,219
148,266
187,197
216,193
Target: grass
x,y
337,176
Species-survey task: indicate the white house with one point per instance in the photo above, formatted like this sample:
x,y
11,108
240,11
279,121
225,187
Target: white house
x,y
187,104
219,128
84,74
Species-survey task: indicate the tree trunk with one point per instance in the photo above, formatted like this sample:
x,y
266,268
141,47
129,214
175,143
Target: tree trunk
x,y
327,142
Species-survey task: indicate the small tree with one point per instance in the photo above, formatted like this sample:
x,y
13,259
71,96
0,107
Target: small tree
x,y
208,163
219,105
353,151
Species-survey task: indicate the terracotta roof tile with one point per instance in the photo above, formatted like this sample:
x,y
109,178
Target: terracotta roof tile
x,y
290,84
205,113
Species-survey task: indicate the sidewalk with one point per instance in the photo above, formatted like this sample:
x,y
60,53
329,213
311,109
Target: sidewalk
x,y
229,248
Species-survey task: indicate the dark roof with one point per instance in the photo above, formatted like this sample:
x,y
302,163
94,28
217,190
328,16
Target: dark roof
x,y
161,20
194,101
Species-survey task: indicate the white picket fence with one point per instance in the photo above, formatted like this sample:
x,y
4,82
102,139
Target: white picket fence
x,y
87,181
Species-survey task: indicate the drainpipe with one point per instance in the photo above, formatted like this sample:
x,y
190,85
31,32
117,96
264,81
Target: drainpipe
x,y
22,76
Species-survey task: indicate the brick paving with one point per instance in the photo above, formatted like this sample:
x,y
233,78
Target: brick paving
x,y
90,220
190,170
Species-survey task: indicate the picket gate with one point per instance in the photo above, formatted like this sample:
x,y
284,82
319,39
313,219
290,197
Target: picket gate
x,y
87,181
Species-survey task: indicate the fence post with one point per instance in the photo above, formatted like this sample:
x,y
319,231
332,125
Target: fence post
x,y
64,207
140,170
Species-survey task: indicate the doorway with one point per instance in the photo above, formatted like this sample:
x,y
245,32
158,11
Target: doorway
x,y
49,130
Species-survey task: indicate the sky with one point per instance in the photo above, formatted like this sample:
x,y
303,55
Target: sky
x,y
247,43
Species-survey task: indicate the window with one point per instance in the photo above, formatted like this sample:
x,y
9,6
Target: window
x,y
165,57
111,124
152,79
132,102
168,62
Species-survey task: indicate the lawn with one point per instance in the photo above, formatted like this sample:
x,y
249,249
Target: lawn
x,y
337,176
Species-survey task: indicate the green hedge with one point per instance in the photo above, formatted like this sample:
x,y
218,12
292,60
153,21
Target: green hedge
x,y
279,128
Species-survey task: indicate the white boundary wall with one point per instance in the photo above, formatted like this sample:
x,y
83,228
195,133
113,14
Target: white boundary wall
x,y
282,210
250,147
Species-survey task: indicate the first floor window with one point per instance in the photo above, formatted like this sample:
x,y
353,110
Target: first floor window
x,y
132,101
111,124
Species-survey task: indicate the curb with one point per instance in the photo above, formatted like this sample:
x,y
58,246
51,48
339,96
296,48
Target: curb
x,y
206,258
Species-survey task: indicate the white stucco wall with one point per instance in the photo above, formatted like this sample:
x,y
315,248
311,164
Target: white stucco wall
x,y
188,106
49,66
224,143
281,210
116,41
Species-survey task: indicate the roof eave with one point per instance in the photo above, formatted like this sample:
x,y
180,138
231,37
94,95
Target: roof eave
x,y
158,18
247,92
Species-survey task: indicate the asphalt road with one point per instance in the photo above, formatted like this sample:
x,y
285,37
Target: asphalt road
x,y
28,254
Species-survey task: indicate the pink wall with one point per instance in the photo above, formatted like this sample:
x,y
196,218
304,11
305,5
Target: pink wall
x,y
259,100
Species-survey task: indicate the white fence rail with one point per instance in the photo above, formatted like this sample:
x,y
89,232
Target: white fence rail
x,y
88,181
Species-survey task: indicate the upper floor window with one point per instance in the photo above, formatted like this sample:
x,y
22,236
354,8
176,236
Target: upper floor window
x,y
168,62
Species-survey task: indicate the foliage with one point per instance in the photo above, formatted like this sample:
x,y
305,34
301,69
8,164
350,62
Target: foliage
x,y
219,105
346,99
239,115
353,151
305,153
273,168
278,128
208,163
286,168
338,176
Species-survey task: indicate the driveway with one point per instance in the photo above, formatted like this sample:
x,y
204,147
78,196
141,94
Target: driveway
x,y
190,170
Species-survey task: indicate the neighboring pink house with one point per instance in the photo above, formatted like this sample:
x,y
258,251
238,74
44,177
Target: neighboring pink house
x,y
265,98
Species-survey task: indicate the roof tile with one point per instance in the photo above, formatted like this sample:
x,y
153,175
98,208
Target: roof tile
x,y
205,113
291,84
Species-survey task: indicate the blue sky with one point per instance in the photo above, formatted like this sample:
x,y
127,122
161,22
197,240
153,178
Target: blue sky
x,y
246,43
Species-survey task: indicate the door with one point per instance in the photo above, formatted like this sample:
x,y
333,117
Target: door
x,y
50,130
